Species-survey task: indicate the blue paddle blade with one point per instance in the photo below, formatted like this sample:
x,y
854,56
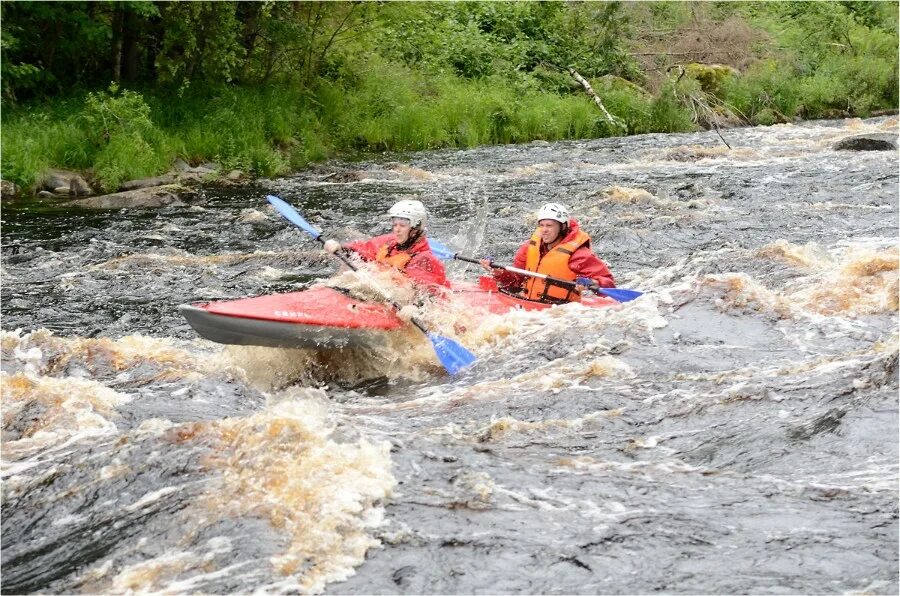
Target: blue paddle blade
x,y
290,214
620,294
440,250
453,356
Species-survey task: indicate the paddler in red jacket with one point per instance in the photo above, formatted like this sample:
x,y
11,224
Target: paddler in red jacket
x,y
558,248
405,248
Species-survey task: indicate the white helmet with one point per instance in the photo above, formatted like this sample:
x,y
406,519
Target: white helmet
x,y
412,210
554,211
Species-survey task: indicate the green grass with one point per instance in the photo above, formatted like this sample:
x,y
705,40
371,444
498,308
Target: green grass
x,y
380,106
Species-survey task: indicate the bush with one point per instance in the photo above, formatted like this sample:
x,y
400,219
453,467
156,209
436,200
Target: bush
x,y
641,111
25,152
710,76
111,113
767,90
855,84
668,115
254,129
125,140
835,59
125,157
429,75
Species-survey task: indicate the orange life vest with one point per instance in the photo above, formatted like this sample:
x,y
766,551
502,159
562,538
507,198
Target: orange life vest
x,y
397,260
555,264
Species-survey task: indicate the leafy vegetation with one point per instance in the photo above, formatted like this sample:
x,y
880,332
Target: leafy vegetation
x,y
121,89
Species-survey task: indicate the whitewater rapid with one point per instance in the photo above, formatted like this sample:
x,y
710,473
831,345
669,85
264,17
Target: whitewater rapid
x,y
732,431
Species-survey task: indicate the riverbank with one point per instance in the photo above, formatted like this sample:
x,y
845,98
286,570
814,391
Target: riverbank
x,y
457,77
269,132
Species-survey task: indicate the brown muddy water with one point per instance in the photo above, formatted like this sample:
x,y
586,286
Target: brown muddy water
x,y
735,430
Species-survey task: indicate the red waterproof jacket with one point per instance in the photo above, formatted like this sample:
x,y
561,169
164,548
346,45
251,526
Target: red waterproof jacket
x,y
583,262
417,261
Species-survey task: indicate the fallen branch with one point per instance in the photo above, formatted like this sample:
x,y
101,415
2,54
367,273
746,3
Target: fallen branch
x,y
699,104
716,126
590,91
682,54
706,114
674,30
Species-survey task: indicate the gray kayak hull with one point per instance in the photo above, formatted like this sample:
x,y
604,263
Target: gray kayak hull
x,y
242,331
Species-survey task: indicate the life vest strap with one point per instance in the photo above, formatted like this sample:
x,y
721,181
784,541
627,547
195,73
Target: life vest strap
x,y
520,296
548,283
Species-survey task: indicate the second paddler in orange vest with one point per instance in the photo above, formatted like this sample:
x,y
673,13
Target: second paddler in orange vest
x,y
558,248
405,248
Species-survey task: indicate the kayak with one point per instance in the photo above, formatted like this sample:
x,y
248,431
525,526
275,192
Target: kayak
x,y
325,317
486,296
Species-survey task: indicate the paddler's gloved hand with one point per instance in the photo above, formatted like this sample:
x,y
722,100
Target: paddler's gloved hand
x,y
486,263
583,283
332,246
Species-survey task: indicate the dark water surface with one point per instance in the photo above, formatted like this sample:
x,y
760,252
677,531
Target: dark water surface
x,y
734,430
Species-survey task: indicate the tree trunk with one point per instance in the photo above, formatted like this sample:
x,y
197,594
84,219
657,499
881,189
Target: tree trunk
x,y
117,34
248,15
130,51
594,96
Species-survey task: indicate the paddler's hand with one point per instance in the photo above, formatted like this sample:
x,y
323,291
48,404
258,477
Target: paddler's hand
x,y
583,283
486,263
332,246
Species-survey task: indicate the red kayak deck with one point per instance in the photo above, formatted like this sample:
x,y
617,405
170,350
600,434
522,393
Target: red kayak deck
x,y
319,305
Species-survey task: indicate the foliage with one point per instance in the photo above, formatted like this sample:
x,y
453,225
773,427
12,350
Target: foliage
x,y
114,113
479,39
14,74
838,66
710,76
125,157
200,42
118,125
269,86
765,94
51,47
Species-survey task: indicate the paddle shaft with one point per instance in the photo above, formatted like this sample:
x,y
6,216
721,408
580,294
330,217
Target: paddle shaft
x,y
554,280
350,264
453,356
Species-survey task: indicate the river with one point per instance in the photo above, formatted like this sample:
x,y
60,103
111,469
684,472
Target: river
x,y
734,430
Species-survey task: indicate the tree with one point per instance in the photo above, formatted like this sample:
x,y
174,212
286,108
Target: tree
x,y
200,42
296,40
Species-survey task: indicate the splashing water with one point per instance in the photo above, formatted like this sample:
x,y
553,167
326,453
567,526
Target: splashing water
x,y
737,425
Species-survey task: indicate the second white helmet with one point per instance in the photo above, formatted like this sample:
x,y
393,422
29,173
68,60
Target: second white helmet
x,y
554,211
412,210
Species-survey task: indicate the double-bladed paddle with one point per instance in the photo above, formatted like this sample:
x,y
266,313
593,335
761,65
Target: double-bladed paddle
x,y
620,294
453,356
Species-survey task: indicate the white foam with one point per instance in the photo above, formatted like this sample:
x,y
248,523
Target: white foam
x,y
152,497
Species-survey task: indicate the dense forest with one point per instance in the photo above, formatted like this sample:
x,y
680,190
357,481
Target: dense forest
x,y
119,90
